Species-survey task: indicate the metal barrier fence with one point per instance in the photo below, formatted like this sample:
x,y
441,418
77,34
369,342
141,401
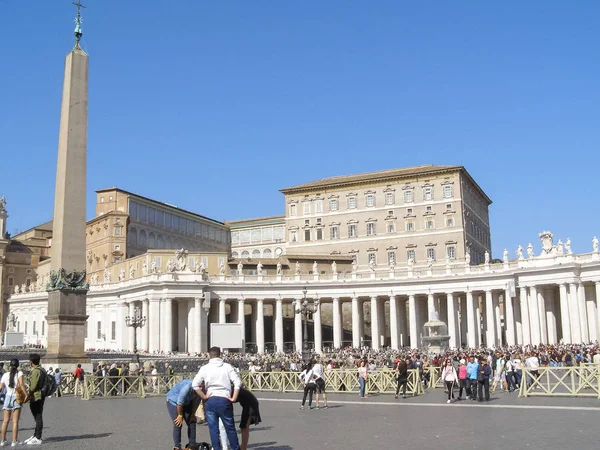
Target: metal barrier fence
x,y
336,380
575,381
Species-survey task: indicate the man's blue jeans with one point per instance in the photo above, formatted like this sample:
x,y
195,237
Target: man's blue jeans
x,y
219,407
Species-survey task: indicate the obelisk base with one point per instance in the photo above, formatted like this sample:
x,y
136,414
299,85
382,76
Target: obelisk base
x,y
66,329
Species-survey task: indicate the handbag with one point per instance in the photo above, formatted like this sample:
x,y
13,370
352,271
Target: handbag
x,y
21,395
200,412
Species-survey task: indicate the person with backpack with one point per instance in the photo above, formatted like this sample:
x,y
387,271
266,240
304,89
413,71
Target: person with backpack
x,y
37,383
78,375
12,381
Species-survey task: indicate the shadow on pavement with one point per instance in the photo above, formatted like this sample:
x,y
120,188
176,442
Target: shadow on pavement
x,y
269,446
75,438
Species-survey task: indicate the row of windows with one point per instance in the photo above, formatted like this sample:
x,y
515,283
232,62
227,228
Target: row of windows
x,y
100,334
156,217
266,253
430,254
370,200
35,330
371,228
258,235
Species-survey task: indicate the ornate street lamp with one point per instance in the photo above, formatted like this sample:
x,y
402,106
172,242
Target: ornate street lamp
x,y
137,321
305,309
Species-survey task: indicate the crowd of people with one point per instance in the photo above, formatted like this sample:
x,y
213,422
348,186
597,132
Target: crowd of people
x,y
466,374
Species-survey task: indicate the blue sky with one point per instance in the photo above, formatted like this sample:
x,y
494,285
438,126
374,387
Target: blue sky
x,y
215,106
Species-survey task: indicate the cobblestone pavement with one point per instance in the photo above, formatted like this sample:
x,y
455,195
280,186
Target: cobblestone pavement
x,y
378,422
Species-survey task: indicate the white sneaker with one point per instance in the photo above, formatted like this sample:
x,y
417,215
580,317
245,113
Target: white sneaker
x,y
15,443
449,401
28,439
34,441
3,443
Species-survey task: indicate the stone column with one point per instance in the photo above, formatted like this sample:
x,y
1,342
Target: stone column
x,y
496,301
279,325
551,315
402,331
597,283
509,318
145,341
197,326
574,314
131,330
222,313
525,316
452,320
260,325
337,323
412,318
298,326
542,313
122,334
583,319
490,332
361,321
168,331
430,307
565,321
318,331
241,319
381,322
154,325
355,323
591,315
462,300
471,330
478,320
394,335
374,324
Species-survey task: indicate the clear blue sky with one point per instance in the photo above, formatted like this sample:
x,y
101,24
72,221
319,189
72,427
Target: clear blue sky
x,y
215,106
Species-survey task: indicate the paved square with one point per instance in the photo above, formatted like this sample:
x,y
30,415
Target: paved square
x,y
378,422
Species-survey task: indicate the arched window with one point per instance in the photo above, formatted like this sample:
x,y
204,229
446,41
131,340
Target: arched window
x,y
245,254
234,255
142,238
255,254
160,241
132,236
267,253
151,240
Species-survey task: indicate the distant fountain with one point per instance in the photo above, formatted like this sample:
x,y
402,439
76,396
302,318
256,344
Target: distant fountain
x,y
435,335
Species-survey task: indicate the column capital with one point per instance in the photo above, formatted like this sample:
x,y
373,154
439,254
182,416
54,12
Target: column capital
x,y
241,300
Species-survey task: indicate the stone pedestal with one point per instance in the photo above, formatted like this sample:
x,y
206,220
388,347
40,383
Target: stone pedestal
x,y
13,339
66,326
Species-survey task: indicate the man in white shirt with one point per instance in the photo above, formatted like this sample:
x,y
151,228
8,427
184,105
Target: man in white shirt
x,y
217,378
317,375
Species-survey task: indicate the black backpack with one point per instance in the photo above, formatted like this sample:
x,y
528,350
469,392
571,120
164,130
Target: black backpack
x,y
49,386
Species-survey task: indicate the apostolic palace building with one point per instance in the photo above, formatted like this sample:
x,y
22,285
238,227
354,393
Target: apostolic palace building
x,y
382,252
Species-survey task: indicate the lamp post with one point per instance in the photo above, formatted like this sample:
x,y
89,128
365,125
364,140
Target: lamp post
x,y
305,309
137,321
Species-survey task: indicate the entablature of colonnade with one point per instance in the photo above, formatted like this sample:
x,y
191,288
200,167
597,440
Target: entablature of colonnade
x,y
567,269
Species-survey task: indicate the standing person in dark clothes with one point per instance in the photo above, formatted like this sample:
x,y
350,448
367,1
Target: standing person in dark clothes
x,y
402,376
37,381
250,414
483,380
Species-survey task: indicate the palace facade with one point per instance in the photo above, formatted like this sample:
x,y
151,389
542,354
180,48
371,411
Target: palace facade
x,y
382,253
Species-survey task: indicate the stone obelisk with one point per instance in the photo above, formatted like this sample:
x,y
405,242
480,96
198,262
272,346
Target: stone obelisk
x,y
67,287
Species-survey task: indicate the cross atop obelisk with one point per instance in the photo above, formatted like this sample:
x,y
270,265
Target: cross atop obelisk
x,y
67,287
78,22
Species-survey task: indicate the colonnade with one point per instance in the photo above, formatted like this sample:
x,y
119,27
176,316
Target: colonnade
x,y
513,312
